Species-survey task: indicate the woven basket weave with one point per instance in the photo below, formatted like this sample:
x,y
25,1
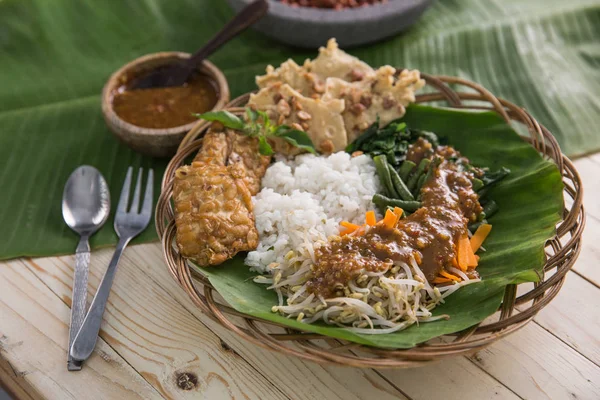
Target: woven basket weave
x,y
514,312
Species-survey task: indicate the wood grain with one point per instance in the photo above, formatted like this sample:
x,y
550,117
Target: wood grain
x,y
589,259
574,316
14,383
163,342
451,379
34,337
536,365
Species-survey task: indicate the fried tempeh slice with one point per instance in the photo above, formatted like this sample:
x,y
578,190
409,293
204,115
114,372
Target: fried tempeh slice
x,y
247,160
213,198
213,213
215,148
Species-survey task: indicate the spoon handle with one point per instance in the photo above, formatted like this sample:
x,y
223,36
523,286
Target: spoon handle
x,y
249,15
79,298
84,343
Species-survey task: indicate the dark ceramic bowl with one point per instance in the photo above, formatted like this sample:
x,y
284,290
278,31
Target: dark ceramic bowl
x,y
312,27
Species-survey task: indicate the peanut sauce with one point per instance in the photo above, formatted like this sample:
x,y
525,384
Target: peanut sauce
x,y
429,235
166,107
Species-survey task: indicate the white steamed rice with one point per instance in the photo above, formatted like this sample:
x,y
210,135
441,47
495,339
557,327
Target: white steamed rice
x,y
304,200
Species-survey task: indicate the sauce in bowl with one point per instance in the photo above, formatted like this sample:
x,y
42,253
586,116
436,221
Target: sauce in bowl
x,y
166,107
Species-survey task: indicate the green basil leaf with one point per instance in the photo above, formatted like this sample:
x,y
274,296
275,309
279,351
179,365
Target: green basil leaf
x,y
281,130
228,119
264,147
295,137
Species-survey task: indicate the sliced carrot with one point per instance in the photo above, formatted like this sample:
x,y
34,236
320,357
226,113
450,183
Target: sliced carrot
x,y
398,211
370,218
449,276
479,237
346,231
466,257
439,279
390,219
462,256
472,260
349,225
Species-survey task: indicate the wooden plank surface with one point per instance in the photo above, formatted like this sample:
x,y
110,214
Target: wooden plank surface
x,y
160,339
33,340
155,343
588,264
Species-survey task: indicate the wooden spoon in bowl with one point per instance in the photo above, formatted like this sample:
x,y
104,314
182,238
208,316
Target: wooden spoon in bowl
x,y
178,74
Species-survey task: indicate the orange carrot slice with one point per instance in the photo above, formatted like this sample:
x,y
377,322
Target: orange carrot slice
x,y
439,279
398,211
349,225
480,235
370,218
449,276
466,256
462,256
346,231
390,219
470,253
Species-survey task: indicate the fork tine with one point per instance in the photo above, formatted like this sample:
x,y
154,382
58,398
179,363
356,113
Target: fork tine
x,y
135,204
147,207
124,199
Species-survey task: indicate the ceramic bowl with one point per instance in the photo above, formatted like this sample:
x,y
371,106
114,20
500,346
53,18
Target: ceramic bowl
x,y
154,142
312,27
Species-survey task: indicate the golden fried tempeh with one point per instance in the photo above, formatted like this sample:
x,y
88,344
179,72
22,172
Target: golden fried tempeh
x,y
246,158
215,149
213,213
213,200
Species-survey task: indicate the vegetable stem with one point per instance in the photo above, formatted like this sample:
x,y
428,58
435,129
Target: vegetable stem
x,y
383,202
414,179
399,185
405,169
381,165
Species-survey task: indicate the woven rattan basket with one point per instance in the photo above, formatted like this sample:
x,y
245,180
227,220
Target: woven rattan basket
x,y
515,311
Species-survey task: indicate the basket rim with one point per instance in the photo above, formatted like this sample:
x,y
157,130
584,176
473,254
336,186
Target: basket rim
x,y
562,251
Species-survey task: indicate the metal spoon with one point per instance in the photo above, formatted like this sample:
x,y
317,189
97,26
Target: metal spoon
x,y
85,208
178,74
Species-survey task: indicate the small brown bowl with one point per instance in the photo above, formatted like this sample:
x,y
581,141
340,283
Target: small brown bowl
x,y
154,142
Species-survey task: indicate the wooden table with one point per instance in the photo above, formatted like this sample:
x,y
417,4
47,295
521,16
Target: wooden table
x,y
155,343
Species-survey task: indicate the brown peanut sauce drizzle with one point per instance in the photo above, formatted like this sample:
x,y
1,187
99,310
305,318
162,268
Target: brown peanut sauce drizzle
x,y
428,235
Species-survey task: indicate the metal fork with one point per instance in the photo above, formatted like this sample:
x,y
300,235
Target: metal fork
x,y
128,224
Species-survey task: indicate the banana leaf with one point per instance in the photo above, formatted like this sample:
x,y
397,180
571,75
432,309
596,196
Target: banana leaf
x,y
530,201
56,55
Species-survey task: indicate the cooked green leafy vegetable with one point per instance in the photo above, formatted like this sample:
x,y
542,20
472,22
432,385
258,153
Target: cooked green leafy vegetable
x,y
259,125
392,141
402,179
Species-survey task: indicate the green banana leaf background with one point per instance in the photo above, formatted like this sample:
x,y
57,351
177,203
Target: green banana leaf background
x,y
530,201
55,56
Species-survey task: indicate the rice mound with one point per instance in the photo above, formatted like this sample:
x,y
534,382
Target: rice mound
x,y
303,201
